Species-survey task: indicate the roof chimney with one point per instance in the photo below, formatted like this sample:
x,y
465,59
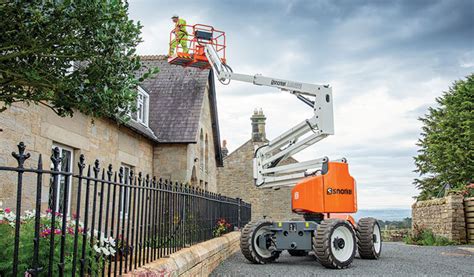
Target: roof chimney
x,y
258,126
224,149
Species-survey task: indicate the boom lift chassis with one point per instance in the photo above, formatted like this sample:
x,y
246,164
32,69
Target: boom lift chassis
x,y
323,190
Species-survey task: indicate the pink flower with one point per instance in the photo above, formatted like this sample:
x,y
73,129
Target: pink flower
x,y
70,230
7,210
48,211
74,216
45,233
471,186
57,232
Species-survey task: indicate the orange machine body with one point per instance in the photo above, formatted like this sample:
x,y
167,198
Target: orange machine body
x,y
332,192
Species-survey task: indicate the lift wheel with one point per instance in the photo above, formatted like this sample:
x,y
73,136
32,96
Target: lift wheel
x,y
369,239
256,244
334,243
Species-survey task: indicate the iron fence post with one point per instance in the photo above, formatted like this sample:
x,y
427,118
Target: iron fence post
x,y
239,215
20,157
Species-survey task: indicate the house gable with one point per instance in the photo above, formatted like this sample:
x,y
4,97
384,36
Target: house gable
x,y
176,99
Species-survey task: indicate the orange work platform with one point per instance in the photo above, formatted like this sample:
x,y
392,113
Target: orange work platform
x,y
198,37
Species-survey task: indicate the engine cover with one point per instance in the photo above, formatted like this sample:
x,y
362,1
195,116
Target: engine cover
x,y
331,192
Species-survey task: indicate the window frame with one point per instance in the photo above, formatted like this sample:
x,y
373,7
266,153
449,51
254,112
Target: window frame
x,y
125,180
201,151
206,154
143,113
69,170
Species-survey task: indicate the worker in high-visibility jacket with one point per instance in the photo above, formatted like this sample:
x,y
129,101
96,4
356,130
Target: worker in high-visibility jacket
x,y
181,35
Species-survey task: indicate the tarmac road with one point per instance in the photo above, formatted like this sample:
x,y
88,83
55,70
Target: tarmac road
x,y
397,259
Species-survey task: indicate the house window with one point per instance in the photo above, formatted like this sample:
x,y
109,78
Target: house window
x,y
206,154
65,165
193,176
124,201
142,106
201,151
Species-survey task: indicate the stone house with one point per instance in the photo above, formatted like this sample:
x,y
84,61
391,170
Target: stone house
x,y
185,122
235,179
173,135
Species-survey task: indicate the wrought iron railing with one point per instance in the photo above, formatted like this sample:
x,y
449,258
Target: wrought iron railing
x,y
110,223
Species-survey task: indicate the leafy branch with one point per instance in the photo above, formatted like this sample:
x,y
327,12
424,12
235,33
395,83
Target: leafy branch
x,y
43,40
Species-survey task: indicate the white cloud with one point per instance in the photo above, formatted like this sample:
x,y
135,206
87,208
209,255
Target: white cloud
x,y
467,60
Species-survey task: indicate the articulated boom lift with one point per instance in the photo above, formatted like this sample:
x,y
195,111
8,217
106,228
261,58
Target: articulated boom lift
x,y
321,187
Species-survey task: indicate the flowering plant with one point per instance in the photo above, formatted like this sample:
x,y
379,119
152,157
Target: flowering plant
x,y
99,250
222,227
122,245
466,191
7,216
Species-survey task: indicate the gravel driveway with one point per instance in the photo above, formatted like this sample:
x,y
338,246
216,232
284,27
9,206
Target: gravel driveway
x,y
396,259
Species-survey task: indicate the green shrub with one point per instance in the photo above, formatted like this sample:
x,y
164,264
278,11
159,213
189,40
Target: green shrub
x,y
426,237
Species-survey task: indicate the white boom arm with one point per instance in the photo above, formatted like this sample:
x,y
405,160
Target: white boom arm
x,y
267,172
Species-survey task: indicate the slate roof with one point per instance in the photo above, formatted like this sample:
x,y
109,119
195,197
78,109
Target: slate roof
x,y
176,98
142,129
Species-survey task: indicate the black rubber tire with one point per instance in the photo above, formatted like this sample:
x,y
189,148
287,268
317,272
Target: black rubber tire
x,y
316,217
322,243
298,253
365,238
247,247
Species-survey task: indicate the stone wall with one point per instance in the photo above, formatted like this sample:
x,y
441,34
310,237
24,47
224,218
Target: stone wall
x,y
198,260
40,128
443,216
235,179
206,166
170,162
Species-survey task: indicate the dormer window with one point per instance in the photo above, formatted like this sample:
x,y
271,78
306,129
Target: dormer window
x,y
142,106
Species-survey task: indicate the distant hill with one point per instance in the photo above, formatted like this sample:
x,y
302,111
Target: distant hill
x,y
384,214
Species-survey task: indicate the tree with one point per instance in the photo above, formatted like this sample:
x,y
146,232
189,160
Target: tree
x,y
69,55
446,154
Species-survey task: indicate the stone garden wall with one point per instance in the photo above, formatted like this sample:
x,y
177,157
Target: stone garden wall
x,y
198,260
444,217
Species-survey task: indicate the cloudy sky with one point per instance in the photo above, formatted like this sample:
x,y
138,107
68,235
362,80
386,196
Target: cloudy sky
x,y
386,61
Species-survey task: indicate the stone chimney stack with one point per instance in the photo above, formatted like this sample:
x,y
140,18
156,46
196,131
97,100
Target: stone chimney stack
x,y
258,126
224,149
